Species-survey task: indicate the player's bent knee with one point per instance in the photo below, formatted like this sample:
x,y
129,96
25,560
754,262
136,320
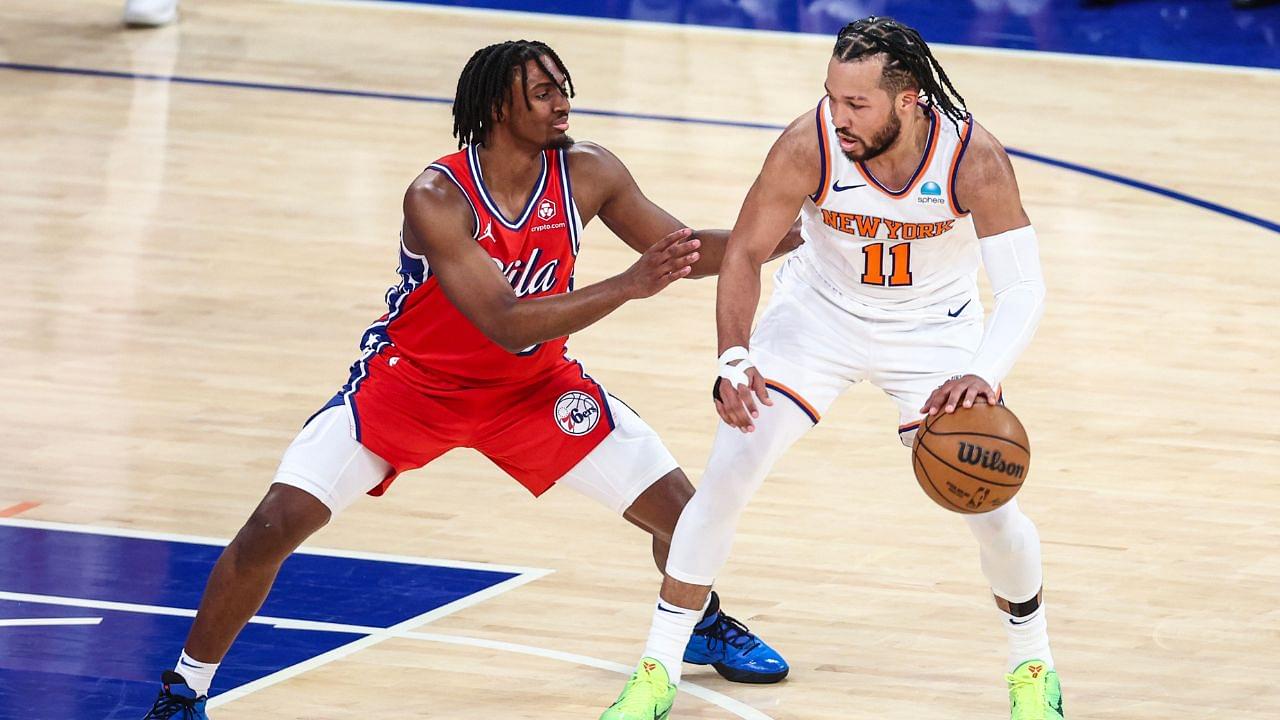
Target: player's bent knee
x,y
658,508
283,520
629,468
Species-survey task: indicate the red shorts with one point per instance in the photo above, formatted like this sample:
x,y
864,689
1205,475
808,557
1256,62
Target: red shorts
x,y
535,430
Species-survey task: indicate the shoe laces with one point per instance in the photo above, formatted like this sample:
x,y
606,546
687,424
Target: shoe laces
x,y
732,633
637,699
1025,691
172,706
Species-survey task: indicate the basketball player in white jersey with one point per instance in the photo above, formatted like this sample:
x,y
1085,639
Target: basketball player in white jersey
x,y
885,290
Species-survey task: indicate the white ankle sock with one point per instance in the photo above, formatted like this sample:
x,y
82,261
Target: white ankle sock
x,y
1028,638
199,675
669,635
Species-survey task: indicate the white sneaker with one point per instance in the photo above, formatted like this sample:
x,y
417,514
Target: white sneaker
x,y
150,13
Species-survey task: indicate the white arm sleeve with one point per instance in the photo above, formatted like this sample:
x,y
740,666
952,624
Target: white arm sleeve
x,y
1012,262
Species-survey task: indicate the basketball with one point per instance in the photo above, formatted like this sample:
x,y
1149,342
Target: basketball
x,y
973,460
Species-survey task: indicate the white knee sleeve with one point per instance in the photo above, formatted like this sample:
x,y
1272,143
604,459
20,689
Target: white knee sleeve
x,y
326,462
1010,548
738,465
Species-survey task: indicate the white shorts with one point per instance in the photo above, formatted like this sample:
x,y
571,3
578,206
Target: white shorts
x,y
324,461
812,344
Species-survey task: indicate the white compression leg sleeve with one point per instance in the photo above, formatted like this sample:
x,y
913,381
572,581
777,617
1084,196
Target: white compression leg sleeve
x,y
1010,548
738,465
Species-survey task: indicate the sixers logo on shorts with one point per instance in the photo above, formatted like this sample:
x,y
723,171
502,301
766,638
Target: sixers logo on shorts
x,y
577,413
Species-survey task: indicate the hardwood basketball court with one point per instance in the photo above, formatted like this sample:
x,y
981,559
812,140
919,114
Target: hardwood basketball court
x,y
188,266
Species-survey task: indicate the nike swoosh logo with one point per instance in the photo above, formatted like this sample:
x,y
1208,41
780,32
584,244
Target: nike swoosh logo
x,y
1015,622
665,610
187,664
957,314
838,188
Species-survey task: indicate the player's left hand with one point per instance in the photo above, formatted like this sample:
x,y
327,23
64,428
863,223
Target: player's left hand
x,y
962,390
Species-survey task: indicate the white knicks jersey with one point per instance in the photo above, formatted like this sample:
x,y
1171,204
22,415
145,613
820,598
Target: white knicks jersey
x,y
891,248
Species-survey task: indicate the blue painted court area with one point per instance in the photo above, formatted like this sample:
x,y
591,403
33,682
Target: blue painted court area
x,y
1203,31
89,620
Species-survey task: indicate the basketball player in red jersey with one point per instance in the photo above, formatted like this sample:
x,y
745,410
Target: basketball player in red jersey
x,y
471,353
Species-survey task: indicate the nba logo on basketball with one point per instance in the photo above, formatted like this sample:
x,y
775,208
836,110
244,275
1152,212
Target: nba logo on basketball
x,y
577,412
546,210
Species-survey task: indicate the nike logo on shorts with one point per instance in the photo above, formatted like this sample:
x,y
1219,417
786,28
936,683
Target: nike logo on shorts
x,y
957,312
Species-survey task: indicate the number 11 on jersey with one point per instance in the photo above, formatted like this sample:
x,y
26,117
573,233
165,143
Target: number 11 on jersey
x,y
900,261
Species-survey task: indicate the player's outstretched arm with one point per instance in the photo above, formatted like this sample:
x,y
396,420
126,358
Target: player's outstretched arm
x,y
440,225
986,185
639,222
790,172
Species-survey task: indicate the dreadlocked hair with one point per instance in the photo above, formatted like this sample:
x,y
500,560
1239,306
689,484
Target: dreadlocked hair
x,y
485,84
908,62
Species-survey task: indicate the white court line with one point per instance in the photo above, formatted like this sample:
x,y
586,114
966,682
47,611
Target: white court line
x,y
380,635
373,636
822,40
523,576
736,707
48,622
222,542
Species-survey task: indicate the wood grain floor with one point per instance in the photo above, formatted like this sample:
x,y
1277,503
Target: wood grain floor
x,y
187,269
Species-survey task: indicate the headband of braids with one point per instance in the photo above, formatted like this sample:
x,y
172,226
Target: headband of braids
x,y
908,63
485,84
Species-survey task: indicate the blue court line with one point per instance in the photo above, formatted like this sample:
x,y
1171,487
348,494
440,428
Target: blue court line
x,y
404,97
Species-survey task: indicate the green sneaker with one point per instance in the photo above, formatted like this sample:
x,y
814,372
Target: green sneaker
x,y
647,696
1034,693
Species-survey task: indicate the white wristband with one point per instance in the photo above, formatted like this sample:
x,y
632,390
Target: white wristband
x,y
736,374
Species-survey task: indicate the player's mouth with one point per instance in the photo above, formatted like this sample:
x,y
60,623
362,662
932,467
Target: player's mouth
x,y
846,143
562,124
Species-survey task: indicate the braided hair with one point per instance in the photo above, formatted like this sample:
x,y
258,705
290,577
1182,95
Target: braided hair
x,y
485,84
908,62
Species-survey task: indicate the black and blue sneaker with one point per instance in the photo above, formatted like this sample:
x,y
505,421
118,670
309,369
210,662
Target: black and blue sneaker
x,y
176,701
734,651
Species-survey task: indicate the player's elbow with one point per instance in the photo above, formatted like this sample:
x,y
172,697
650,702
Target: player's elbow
x,y
1034,289
739,257
516,335
1025,297
503,325
515,348
509,338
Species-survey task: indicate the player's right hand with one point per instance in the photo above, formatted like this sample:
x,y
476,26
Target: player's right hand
x,y
736,404
666,261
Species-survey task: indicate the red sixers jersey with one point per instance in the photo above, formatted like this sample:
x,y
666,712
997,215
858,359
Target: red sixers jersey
x,y
534,251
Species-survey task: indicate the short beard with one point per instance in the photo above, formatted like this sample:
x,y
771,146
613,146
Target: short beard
x,y
562,142
881,142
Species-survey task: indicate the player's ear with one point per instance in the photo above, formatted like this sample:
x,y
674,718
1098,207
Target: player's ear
x,y
907,99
